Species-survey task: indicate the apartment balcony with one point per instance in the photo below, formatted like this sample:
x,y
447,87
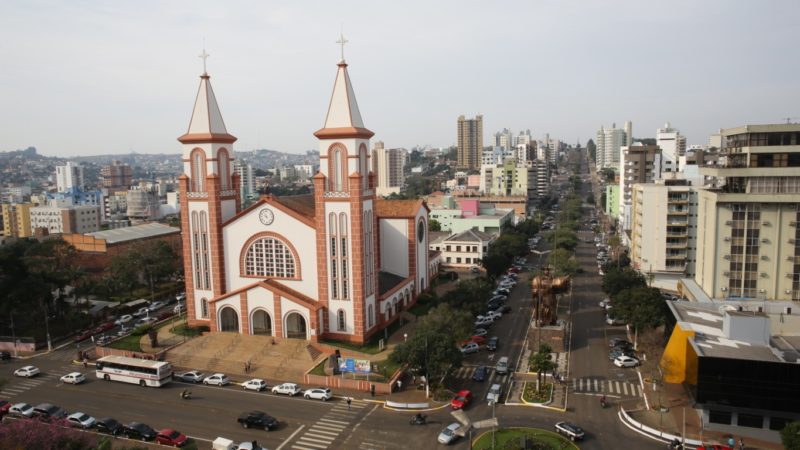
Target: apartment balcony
x,y
677,201
678,211
679,245
676,255
677,223
678,234
675,267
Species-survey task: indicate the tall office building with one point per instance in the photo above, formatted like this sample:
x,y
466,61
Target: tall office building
x,y
747,226
388,165
247,182
609,142
628,127
672,146
470,142
69,176
116,177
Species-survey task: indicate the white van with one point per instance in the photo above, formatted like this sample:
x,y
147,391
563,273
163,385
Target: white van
x,y
502,366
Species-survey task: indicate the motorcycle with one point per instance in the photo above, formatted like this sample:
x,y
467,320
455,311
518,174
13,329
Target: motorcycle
x,y
603,402
419,419
675,445
186,395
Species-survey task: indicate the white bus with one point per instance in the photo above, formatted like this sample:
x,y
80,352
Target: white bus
x,y
143,372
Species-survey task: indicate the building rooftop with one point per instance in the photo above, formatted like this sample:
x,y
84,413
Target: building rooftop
x,y
398,208
387,281
133,233
302,204
471,236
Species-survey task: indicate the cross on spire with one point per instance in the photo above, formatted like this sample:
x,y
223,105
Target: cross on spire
x,y
205,56
341,41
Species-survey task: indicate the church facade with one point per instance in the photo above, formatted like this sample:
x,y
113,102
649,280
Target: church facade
x,y
340,263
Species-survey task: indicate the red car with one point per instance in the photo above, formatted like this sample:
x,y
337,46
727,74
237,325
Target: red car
x,y
85,335
168,436
714,447
5,405
102,328
513,270
461,400
480,340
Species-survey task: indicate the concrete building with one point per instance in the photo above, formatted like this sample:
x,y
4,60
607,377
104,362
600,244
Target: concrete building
x,y
524,138
17,220
662,237
612,200
495,155
247,182
116,177
469,214
639,164
74,219
508,178
470,142
672,146
69,176
142,204
628,127
609,142
504,139
462,250
388,166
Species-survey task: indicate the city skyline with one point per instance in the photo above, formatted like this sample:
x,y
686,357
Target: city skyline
x,y
115,79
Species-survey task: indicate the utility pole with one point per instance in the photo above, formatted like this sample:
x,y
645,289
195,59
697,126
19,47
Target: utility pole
x,y
13,335
47,329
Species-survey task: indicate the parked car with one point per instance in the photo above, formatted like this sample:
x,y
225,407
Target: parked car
x,y
5,405
179,308
480,340
73,378
123,319
192,376
289,389
480,332
495,313
84,335
164,315
217,379
27,371
81,420
494,394
462,399
492,343
615,353
156,305
103,340
103,327
610,320
483,321
480,373
502,366
626,361
570,430
144,321
605,302
168,436
138,430
613,342
21,410
47,412
257,419
109,426
181,296
319,393
143,311
256,384
470,348
448,435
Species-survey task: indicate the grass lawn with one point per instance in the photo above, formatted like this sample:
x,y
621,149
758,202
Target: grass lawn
x,y
370,347
130,342
511,439
319,369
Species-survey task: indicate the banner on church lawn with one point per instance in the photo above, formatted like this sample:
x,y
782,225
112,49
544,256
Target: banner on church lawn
x,y
350,365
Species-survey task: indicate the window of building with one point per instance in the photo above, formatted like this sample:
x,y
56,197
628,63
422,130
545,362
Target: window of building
x,y
722,417
750,420
198,168
204,308
370,316
224,169
269,257
778,423
341,323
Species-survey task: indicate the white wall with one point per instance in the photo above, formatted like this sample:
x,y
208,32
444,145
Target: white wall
x,y
394,246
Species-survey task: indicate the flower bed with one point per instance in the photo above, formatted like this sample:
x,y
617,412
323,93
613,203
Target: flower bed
x,y
532,395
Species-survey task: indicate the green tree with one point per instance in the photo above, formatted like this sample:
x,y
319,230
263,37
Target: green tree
x,y
542,361
434,225
616,280
641,307
790,436
470,296
563,262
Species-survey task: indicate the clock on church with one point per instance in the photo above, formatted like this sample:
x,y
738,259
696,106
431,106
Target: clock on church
x,y
266,216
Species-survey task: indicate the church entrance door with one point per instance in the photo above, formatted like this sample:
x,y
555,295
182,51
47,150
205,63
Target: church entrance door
x,y
229,320
296,326
262,323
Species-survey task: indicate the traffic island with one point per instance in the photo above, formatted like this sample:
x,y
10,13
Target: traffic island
x,y
522,438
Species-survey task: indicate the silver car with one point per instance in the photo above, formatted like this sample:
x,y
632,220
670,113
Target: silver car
x,y
448,435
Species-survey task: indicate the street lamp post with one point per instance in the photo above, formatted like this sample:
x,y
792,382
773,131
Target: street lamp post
x,y
47,329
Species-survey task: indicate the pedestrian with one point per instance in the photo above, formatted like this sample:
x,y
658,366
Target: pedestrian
x,y
413,379
741,443
399,385
92,339
85,362
349,400
731,442
372,390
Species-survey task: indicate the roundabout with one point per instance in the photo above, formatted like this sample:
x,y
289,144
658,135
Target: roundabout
x,y
522,438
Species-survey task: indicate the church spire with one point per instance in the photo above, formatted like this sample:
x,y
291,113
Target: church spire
x,y
206,123
343,118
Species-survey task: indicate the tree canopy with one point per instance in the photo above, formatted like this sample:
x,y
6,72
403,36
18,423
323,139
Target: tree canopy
x,y
616,280
642,307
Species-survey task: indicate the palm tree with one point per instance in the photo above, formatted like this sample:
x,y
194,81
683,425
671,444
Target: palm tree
x,y
541,362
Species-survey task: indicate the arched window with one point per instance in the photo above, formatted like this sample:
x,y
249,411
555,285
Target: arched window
x,y
337,168
343,254
363,167
269,257
198,165
224,169
370,316
341,323
204,308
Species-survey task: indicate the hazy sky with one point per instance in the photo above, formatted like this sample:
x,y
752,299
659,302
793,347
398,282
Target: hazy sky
x,y
100,77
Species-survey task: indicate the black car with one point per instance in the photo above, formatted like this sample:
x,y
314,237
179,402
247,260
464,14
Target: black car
x,y
138,430
47,412
492,343
5,356
479,374
109,426
615,342
493,305
614,353
257,419
498,298
623,346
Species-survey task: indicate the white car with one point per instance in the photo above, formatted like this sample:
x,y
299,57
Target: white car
x,y
493,396
179,308
81,420
217,379
289,389
604,304
626,361
144,321
73,378
123,319
319,393
27,371
256,384
143,311
614,321
21,410
496,314
155,306
448,435
181,297
192,376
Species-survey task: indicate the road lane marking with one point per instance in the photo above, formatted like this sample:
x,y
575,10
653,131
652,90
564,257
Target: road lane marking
x,y
290,438
315,429
327,441
617,386
312,445
342,423
625,388
338,430
596,388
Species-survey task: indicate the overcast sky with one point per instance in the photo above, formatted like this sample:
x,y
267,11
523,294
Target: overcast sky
x,y
100,77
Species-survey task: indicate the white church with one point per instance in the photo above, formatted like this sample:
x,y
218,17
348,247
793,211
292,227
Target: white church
x,y
337,264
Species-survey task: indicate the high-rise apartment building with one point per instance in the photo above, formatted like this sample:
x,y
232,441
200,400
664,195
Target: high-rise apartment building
x,y
628,127
17,220
504,139
747,227
247,181
640,164
524,137
69,176
116,177
609,142
672,145
388,165
470,142
75,219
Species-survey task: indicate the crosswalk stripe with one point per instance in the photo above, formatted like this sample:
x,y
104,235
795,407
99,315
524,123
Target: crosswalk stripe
x,y
616,385
335,422
329,427
595,386
316,430
315,438
610,386
625,388
312,444
575,384
302,448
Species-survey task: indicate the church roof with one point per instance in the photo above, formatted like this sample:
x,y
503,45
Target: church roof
x,y
398,208
344,118
301,204
206,123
